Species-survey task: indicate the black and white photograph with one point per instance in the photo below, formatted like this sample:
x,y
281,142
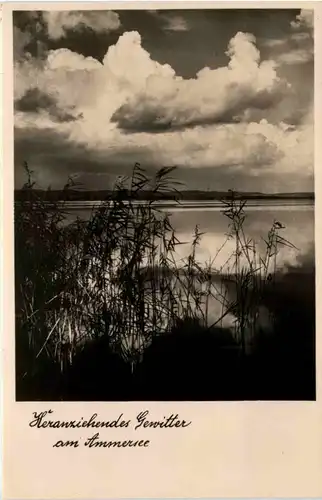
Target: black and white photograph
x,y
164,205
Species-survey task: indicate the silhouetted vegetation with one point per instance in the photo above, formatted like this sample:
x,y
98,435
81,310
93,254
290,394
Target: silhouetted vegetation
x,y
105,310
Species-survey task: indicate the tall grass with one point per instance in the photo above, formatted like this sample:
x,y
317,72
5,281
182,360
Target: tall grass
x,y
249,269
118,274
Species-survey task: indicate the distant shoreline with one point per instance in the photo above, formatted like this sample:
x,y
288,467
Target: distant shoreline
x,y
78,196
189,205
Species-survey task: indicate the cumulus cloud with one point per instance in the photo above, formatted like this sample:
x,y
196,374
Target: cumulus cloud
x,y
59,23
63,73
304,20
147,95
220,95
129,89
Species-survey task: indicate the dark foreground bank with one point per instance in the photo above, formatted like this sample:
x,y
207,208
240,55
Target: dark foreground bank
x,y
195,363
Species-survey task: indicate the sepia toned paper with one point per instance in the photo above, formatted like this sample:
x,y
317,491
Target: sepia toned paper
x,y
151,95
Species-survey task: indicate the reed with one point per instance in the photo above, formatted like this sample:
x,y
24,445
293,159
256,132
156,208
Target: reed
x,y
249,269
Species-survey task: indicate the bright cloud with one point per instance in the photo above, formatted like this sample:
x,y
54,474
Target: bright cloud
x,y
304,20
296,56
60,22
177,24
165,100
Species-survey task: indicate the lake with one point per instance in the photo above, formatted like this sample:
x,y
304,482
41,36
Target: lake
x,y
296,215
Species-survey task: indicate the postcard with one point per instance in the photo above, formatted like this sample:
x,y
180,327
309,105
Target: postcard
x,y
161,250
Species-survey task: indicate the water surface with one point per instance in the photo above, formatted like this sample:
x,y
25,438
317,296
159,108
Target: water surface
x,y
297,217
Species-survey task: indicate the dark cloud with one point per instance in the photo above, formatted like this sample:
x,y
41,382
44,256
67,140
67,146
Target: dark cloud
x,y
30,27
146,115
34,100
54,157
20,40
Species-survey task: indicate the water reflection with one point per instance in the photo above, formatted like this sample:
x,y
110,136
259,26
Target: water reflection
x,y
297,219
298,222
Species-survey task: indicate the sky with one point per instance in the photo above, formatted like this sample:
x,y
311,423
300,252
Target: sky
x,y
226,96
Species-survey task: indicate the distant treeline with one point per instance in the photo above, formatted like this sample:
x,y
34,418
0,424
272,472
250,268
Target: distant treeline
x,y
98,195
